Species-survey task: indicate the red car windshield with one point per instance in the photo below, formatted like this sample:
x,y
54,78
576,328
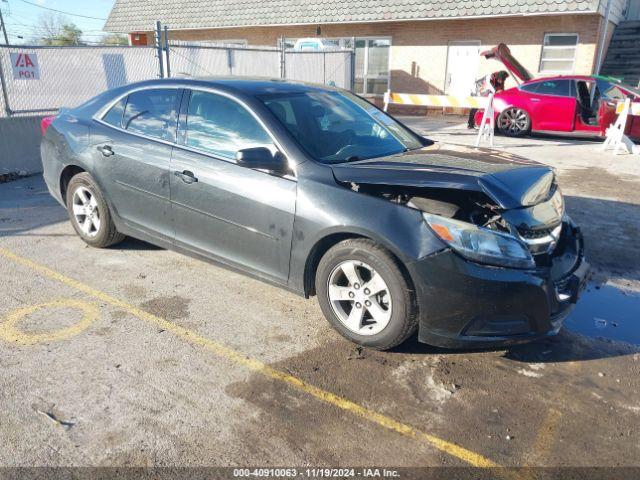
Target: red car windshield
x,y
617,91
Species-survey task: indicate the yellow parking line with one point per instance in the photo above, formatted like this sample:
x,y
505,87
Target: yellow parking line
x,y
546,435
221,350
548,430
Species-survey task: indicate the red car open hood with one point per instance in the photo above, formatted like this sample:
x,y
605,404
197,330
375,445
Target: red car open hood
x,y
503,54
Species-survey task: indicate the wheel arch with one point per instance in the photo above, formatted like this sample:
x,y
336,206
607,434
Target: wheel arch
x,y
333,238
66,175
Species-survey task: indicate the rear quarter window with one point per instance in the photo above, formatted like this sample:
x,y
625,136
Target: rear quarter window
x,y
152,113
114,115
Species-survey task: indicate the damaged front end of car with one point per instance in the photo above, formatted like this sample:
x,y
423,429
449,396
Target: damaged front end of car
x,y
512,264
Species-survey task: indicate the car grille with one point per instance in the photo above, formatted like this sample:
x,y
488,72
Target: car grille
x,y
541,241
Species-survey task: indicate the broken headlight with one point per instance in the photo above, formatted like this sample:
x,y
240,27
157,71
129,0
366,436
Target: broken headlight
x,y
481,244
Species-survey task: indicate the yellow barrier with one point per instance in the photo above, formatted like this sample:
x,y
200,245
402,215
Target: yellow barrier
x,y
391,98
634,108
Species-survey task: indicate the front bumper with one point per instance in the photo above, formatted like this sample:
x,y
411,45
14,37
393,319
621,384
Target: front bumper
x,y
468,305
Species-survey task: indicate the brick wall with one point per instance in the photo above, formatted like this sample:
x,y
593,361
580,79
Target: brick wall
x,y
419,49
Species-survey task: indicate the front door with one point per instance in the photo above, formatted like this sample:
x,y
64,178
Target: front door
x,y
132,151
553,105
463,60
236,215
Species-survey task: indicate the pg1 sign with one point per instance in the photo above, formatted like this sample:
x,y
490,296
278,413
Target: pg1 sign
x,y
25,66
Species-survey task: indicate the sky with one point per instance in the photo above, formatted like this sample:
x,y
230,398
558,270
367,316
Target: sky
x,y
22,17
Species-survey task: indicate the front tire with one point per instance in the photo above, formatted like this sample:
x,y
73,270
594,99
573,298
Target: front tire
x,y
514,122
365,295
89,213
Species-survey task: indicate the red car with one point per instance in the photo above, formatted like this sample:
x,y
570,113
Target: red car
x,y
569,104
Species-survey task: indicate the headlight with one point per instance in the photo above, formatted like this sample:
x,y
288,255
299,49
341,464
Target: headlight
x,y
481,244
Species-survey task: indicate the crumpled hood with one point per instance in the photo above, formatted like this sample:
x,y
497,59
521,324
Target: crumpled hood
x,y
511,181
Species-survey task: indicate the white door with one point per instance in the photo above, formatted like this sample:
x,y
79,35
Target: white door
x,y
463,61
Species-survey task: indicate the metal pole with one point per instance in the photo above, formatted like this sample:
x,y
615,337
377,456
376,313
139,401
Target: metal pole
x,y
283,72
324,67
166,51
4,29
159,48
353,63
603,38
5,93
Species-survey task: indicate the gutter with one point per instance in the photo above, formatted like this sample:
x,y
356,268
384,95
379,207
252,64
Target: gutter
x,y
603,37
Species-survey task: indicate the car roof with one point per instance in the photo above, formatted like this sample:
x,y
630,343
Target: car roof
x,y
563,77
243,85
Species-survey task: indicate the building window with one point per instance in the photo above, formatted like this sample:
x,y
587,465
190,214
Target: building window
x,y
559,53
372,66
371,75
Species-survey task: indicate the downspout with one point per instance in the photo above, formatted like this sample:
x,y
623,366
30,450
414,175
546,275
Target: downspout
x,y
603,37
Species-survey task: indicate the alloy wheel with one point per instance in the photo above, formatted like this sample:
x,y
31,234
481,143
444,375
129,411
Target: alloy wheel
x,y
86,212
514,121
359,297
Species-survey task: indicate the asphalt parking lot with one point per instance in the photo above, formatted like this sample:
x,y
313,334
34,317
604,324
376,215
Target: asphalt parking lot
x,y
138,356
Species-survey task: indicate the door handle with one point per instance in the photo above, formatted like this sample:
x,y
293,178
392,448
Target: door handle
x,y
535,99
186,176
106,150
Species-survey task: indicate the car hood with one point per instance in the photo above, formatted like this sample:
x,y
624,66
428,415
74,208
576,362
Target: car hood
x,y
503,54
509,180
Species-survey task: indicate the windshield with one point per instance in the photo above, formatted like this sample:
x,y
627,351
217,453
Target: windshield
x,y
616,91
336,127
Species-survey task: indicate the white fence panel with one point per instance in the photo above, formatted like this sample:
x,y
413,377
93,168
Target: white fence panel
x,y
338,69
326,68
68,76
199,61
256,63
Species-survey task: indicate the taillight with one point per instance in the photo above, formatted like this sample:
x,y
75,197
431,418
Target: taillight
x,y
44,124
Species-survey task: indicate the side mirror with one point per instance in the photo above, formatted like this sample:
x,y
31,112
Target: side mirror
x,y
261,158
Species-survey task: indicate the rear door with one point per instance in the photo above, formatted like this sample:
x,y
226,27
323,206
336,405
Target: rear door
x,y
552,105
235,214
133,144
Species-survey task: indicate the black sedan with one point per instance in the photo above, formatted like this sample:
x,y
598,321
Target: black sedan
x,y
318,191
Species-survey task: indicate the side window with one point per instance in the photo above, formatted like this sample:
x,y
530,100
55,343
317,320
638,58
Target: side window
x,y
152,113
114,115
221,126
555,87
530,87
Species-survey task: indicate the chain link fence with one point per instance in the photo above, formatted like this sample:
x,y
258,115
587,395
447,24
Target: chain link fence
x,y
68,76
202,61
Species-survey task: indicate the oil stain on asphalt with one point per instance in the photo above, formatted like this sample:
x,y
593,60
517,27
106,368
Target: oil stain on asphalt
x,y
170,308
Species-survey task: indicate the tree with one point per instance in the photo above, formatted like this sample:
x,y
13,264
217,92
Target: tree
x,y
115,39
57,30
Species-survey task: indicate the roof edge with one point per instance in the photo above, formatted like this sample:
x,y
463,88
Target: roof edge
x,y
430,19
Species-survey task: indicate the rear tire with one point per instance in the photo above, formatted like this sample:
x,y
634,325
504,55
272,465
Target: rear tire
x,y
514,122
365,295
89,212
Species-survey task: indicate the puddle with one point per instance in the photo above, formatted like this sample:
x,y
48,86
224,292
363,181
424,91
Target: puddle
x,y
608,313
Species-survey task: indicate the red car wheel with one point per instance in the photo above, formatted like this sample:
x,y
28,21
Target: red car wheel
x,y
514,122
